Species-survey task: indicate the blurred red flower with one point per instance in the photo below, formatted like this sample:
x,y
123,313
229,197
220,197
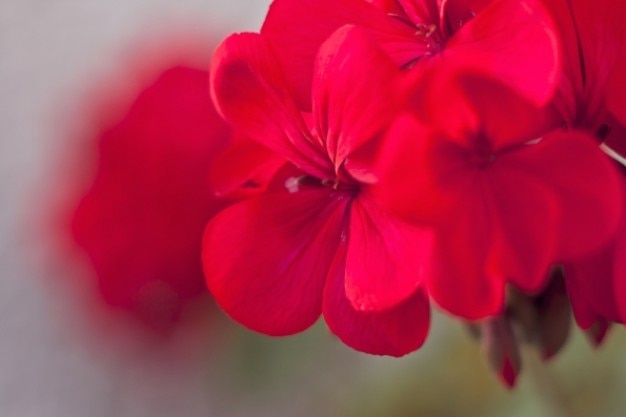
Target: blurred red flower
x,y
508,199
141,221
592,96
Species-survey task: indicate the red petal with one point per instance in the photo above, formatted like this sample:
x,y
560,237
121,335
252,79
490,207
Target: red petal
x,y
421,11
600,26
388,6
250,91
465,105
387,258
298,28
354,92
586,183
525,222
418,174
571,86
592,287
266,259
396,331
514,42
245,167
459,282
616,92
141,221
455,13
495,104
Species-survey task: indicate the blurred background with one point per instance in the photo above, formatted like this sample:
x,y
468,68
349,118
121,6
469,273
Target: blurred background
x,y
60,356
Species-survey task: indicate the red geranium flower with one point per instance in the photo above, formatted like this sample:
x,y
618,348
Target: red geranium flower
x,y
508,198
142,219
511,40
316,241
592,96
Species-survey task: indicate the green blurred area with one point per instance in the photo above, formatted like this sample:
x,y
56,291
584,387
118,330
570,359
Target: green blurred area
x,y
314,375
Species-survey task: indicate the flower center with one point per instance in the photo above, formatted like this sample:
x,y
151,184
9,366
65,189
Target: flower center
x,y
295,184
428,35
482,155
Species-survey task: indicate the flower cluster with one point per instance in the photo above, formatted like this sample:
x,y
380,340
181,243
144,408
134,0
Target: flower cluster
x,y
408,152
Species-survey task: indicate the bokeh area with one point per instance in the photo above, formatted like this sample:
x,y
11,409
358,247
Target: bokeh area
x,y
61,358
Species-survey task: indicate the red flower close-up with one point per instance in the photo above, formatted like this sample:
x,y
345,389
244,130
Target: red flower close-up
x,y
513,41
313,208
141,220
422,147
591,96
316,241
507,198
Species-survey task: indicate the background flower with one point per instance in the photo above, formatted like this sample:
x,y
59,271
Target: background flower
x,y
141,221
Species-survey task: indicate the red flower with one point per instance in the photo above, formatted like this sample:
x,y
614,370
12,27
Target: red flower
x,y
316,241
506,204
511,40
141,222
592,97
597,283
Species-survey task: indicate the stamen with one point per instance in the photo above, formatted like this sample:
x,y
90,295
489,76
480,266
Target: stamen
x,y
296,184
332,183
425,30
292,184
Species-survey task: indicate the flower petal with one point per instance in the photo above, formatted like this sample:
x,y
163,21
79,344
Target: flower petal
x,y
602,42
596,283
455,13
297,29
388,6
593,288
460,283
395,332
586,183
244,167
266,259
616,92
420,11
465,104
571,86
387,258
250,91
418,175
513,41
354,92
525,223
141,221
